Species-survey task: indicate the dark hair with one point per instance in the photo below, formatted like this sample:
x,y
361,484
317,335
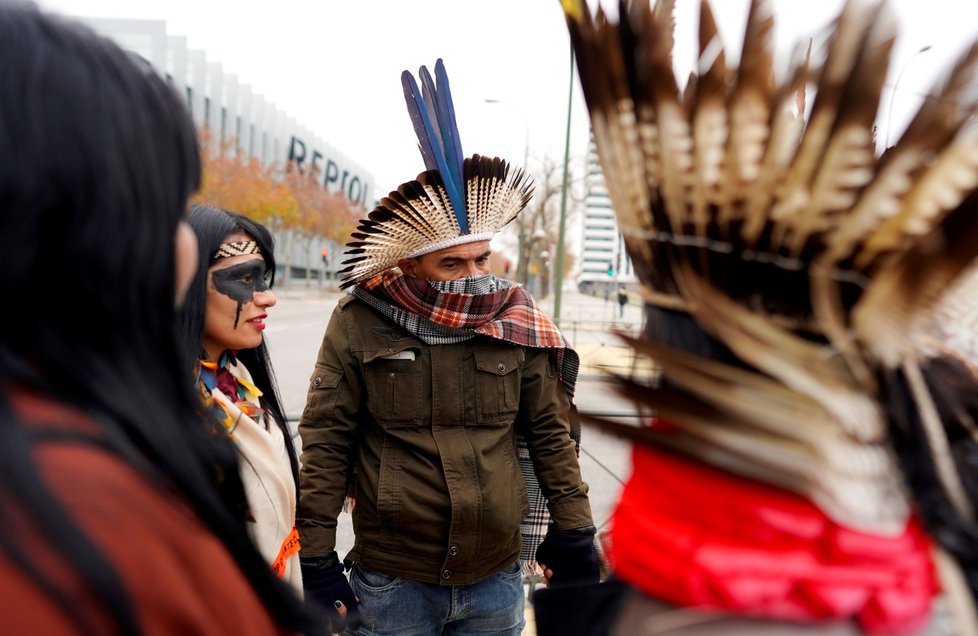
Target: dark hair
x,y
680,330
213,226
98,156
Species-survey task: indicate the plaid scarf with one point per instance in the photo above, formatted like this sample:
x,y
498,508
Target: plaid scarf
x,y
446,312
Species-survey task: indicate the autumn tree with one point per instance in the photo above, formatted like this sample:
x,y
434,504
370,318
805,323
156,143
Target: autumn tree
x,y
235,181
320,212
290,202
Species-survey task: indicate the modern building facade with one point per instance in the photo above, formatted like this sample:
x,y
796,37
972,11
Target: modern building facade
x,y
232,110
604,264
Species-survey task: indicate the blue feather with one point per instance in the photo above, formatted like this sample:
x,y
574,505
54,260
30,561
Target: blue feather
x,y
448,125
422,124
442,112
433,116
428,92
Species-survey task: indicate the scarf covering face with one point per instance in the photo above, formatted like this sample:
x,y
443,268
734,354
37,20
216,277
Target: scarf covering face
x,y
447,312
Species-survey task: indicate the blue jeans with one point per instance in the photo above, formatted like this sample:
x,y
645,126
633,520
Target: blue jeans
x,y
391,605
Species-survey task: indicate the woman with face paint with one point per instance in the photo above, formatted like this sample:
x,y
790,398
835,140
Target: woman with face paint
x,y
120,511
223,321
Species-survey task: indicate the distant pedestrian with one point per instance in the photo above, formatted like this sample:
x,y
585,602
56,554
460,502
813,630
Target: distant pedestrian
x,y
622,301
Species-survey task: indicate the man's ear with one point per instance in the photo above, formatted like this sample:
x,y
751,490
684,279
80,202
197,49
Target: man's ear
x,y
408,266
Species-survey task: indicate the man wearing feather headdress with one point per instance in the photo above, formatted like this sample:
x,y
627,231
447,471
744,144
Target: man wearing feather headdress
x,y
440,394
810,468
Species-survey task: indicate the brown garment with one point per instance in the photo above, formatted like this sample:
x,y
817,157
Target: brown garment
x,y
179,575
614,608
439,494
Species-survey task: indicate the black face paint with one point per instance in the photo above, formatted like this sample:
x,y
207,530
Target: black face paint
x,y
241,282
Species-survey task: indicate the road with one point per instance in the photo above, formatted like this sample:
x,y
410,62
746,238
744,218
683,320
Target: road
x,y
297,322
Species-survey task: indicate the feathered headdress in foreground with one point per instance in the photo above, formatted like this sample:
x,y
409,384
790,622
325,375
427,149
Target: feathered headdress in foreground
x,y
758,207
455,201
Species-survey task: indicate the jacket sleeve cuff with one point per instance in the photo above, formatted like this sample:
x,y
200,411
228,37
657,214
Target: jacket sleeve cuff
x,y
570,515
316,541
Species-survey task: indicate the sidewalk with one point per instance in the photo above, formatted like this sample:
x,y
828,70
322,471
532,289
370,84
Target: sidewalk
x,y
531,623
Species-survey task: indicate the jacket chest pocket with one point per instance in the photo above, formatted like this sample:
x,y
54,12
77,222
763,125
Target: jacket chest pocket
x,y
497,384
394,390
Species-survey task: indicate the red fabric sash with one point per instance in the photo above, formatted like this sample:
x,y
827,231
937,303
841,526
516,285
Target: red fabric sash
x,y
695,536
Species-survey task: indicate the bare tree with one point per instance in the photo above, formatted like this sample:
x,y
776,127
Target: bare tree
x,y
538,227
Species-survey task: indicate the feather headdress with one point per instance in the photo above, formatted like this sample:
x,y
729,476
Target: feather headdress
x,y
455,201
758,207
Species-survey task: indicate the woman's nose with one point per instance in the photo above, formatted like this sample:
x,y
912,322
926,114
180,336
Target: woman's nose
x,y
265,298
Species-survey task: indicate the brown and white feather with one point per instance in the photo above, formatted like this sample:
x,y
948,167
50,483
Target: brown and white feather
x,y
419,215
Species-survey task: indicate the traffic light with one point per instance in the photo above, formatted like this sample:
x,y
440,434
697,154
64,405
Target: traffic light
x,y
325,256
611,269
506,265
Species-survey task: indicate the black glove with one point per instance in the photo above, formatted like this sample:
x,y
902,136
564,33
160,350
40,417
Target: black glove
x,y
325,583
571,555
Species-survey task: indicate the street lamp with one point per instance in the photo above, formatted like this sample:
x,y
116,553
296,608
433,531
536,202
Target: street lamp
x,y
559,261
896,85
530,268
545,266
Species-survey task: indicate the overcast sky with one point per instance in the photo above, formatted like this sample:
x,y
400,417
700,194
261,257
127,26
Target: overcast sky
x,y
335,65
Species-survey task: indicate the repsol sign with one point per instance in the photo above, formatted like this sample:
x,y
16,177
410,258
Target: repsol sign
x,y
330,174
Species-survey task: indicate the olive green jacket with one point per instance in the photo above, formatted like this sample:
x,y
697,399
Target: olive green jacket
x,y
431,430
